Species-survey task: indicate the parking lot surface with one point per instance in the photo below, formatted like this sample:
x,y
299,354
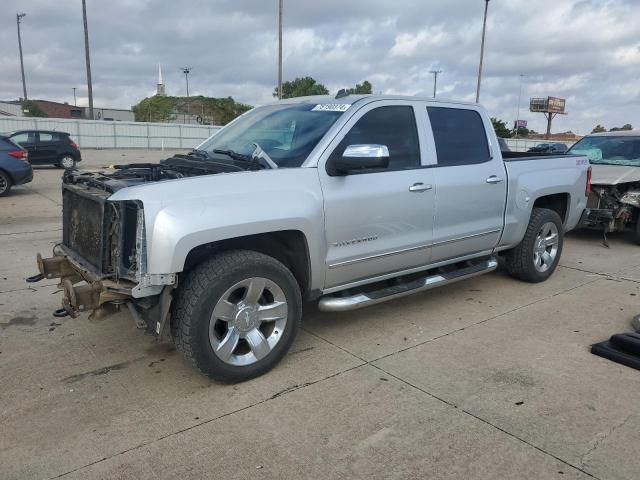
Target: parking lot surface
x,y
484,379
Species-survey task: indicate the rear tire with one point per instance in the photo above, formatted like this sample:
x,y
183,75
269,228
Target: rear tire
x,y
5,184
236,315
537,256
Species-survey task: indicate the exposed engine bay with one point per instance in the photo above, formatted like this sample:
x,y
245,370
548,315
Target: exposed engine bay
x,y
102,258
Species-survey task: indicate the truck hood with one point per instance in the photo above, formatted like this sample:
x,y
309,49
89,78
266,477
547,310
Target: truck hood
x,y
614,174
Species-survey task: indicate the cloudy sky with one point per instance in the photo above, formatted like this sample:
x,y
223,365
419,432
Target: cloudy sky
x,y
587,51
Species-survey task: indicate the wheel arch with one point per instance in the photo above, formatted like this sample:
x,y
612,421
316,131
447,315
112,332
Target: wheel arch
x,y
289,247
558,202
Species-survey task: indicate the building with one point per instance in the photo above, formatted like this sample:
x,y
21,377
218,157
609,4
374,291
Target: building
x,y
160,91
64,110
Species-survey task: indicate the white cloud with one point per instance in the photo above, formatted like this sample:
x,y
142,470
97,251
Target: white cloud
x,y
584,50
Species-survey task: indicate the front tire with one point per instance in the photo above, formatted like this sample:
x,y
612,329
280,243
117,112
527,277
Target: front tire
x,y
5,184
537,256
236,315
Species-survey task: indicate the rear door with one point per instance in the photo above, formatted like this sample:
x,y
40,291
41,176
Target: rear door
x,y
28,141
378,222
470,182
48,145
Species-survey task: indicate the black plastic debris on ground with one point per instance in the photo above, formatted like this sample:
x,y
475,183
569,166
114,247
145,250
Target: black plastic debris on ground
x,y
622,348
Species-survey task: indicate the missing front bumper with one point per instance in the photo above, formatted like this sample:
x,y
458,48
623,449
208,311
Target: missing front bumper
x,y
82,292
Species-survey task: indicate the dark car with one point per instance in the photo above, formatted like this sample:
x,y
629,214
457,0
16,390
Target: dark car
x,y
549,148
47,147
15,168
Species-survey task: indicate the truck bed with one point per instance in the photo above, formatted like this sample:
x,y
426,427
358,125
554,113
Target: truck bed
x,y
520,156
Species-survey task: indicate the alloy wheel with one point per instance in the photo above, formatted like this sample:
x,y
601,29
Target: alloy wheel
x,y
545,248
248,320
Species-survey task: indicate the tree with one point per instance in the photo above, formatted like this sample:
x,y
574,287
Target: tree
x,y
32,109
598,129
626,126
216,111
301,87
501,128
361,89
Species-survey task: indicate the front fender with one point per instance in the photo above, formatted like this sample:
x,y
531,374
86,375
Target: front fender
x,y
181,215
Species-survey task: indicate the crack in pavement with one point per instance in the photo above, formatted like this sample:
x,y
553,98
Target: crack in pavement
x,y
34,231
601,437
260,402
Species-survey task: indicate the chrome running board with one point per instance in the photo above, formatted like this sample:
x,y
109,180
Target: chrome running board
x,y
331,303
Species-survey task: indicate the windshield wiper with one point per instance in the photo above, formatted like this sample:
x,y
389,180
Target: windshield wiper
x,y
232,154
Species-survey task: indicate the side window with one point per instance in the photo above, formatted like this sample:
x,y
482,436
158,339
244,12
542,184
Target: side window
x,y
459,136
393,126
25,137
46,137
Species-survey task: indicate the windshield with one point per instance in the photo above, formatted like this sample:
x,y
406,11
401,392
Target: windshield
x,y
621,150
287,133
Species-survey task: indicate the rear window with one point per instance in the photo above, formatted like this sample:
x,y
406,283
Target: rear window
x,y
459,136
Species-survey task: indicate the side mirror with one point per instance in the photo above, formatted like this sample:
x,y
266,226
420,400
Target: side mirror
x,y
363,157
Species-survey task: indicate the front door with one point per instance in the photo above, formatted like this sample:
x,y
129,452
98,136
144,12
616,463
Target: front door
x,y
378,222
47,147
471,185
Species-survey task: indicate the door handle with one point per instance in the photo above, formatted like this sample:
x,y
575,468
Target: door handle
x,y
419,187
494,179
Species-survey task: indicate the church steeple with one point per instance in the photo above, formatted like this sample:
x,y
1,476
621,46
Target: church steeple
x,y
160,86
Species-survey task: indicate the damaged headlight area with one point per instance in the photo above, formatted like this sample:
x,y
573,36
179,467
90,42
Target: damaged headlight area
x,y
631,197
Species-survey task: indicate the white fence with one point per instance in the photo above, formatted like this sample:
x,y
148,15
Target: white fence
x,y
107,134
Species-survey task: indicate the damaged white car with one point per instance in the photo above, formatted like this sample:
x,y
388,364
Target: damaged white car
x,y
614,201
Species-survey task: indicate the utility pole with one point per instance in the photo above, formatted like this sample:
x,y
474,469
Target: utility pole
x,y
24,84
280,49
522,75
75,103
484,30
187,71
87,60
435,80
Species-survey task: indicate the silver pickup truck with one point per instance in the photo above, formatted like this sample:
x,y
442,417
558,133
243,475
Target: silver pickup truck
x,y
346,200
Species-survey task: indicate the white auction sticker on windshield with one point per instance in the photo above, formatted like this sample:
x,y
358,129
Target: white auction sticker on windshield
x,y
331,107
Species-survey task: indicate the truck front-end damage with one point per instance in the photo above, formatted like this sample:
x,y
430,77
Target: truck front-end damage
x,y
101,262
614,207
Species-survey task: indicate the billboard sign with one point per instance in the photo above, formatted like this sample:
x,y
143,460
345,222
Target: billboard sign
x,y
556,105
521,124
547,105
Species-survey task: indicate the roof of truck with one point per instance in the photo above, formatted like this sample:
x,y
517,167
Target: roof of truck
x,y
351,99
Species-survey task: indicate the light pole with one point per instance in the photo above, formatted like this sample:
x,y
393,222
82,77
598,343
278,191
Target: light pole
x,y
87,60
484,30
75,103
522,75
435,80
280,49
24,84
187,71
